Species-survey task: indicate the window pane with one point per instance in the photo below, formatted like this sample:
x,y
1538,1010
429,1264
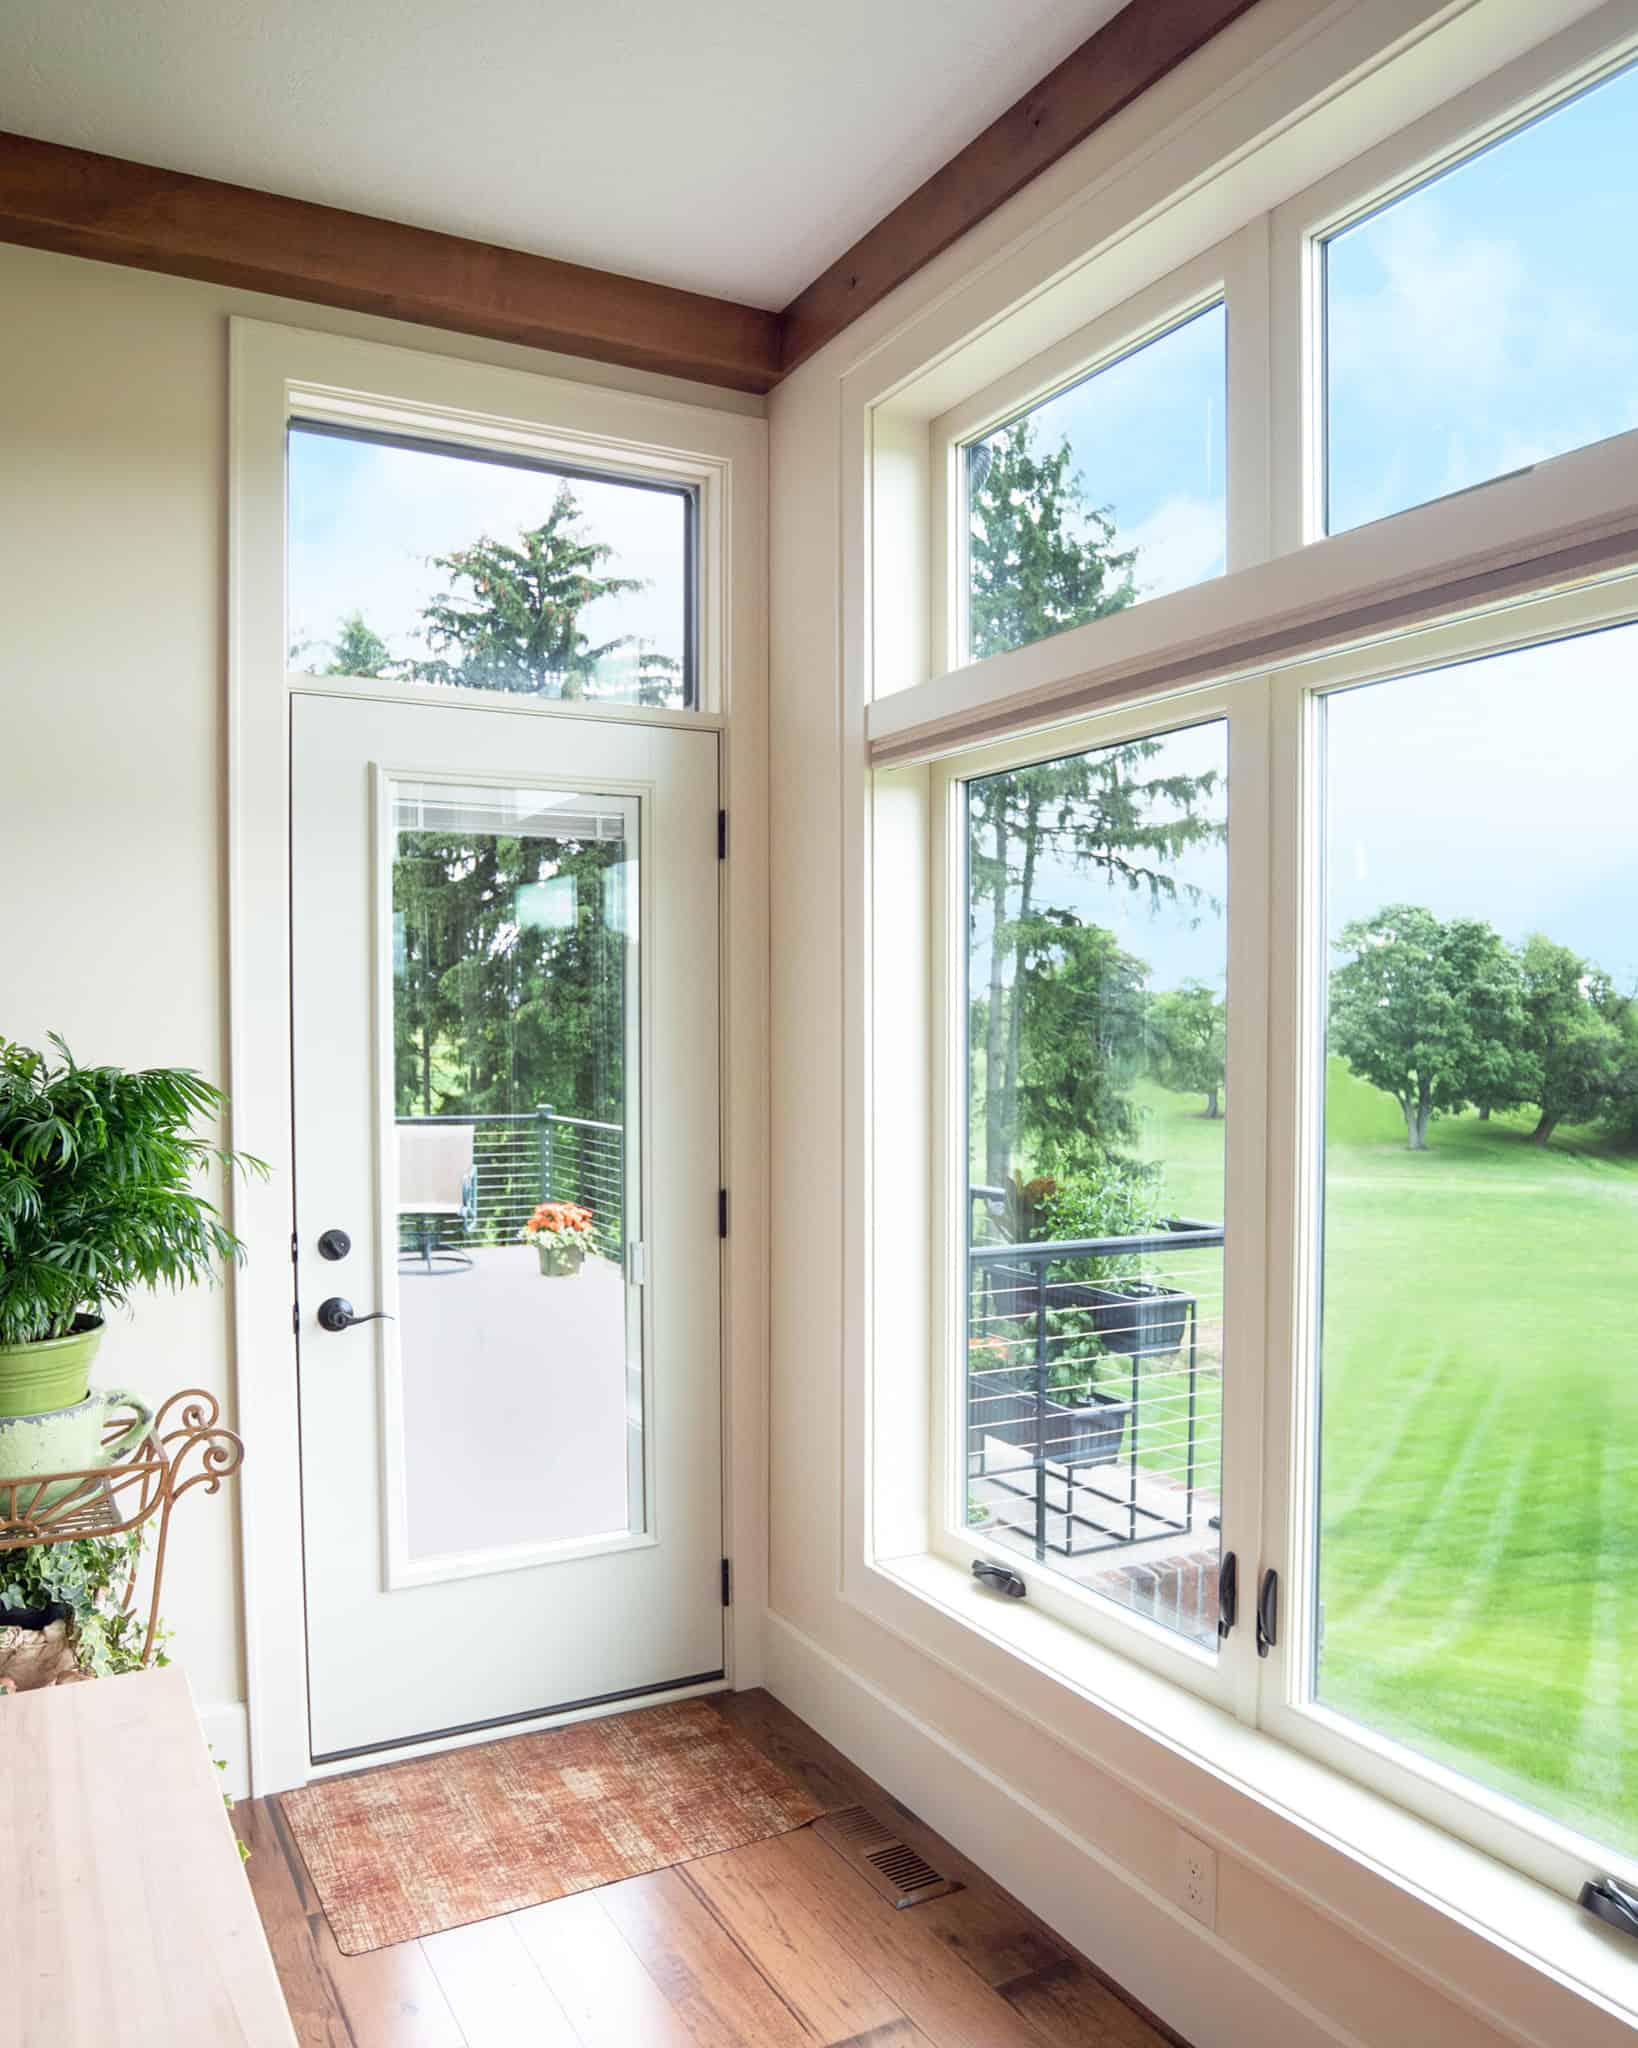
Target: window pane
x,y
1487,320
436,566
1097,957
1478,1506
514,1023
1108,493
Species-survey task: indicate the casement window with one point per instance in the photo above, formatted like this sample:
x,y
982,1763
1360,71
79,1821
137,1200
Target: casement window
x,y
1282,973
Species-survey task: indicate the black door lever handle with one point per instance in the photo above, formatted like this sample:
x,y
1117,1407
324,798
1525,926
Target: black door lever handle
x,y
337,1314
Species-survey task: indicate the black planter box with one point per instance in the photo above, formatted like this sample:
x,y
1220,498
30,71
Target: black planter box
x,y
1139,1318
1053,1430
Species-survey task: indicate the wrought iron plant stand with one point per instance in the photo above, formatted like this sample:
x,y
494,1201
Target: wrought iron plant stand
x,y
185,1446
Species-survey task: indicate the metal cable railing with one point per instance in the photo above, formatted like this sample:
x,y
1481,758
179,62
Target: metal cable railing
x,y
1093,1386
523,1159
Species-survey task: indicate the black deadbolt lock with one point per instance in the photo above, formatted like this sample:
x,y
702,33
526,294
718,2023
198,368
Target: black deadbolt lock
x,y
334,1244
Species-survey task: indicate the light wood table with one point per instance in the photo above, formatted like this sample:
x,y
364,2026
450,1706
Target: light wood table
x,y
125,1916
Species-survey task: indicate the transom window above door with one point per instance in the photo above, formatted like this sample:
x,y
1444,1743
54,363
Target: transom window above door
x,y
424,563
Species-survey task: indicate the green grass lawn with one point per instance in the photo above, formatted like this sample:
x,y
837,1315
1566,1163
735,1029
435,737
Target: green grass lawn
x,y
1479,1485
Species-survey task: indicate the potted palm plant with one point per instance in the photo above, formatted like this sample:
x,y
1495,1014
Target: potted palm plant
x,y
98,1198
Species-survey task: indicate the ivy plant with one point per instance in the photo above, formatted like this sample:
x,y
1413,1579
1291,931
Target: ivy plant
x,y
88,1575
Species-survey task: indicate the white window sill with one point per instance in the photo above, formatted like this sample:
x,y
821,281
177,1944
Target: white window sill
x,y
1396,1880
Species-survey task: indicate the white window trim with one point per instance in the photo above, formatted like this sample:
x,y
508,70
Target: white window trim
x,y
1316,93
279,372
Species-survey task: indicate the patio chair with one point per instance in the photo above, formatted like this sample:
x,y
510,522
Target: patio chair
x,y
436,1181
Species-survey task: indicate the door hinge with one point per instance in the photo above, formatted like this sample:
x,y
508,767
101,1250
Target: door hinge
x,y
722,1212
722,835
727,1583
295,1319
1228,1593
1268,1612
295,1247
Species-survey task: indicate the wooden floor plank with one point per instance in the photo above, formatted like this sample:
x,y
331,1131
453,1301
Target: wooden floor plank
x,y
610,1999
930,1986
828,1986
312,1997
390,1996
1035,1971
495,1989
1070,2007
388,1999
703,1971
899,2033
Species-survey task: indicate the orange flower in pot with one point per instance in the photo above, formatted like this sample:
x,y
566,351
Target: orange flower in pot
x,y
561,1233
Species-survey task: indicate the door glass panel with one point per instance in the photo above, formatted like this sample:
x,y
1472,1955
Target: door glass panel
x,y
438,565
512,1164
1478,1445
1096,969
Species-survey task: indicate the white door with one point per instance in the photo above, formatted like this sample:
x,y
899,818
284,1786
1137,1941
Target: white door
x,y
505,1010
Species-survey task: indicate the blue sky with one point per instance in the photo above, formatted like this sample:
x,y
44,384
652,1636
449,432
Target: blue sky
x,y
1147,437
366,517
1483,322
1490,319
1505,789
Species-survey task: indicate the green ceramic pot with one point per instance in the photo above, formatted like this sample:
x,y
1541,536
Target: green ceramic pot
x,y
68,1440
55,1373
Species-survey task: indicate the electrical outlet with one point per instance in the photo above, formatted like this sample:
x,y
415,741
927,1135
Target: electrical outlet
x,y
1197,1879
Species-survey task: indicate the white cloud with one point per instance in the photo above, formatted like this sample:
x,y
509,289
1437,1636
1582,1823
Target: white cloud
x,y
1179,544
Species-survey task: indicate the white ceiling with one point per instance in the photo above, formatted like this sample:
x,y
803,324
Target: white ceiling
x,y
732,146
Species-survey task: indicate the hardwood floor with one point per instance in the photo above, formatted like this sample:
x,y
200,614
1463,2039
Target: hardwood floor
x,y
780,1945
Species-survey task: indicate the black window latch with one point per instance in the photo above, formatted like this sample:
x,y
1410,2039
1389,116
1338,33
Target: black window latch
x,y
1268,1612
1609,1900
1228,1593
998,1578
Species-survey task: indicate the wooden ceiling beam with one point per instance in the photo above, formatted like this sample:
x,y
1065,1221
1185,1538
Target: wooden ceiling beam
x,y
83,204
1131,52
104,207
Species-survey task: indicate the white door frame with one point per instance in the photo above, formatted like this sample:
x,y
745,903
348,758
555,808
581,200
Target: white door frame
x,y
274,373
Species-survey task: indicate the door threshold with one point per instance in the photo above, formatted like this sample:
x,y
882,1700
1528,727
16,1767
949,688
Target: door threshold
x,y
470,1731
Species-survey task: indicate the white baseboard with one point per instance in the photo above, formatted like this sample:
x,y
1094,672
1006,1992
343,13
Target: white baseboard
x,y
1193,1980
227,1730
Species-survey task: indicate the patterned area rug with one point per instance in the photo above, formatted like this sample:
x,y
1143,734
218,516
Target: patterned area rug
x,y
411,1848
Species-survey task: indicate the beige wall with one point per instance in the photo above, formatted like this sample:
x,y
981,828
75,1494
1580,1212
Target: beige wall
x,y
113,523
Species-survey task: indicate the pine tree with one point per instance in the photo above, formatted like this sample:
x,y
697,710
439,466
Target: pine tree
x,y
358,651
1041,560
512,618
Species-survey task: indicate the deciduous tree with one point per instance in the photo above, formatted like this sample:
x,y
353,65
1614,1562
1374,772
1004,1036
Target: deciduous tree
x,y
1572,1039
1189,1043
1431,1013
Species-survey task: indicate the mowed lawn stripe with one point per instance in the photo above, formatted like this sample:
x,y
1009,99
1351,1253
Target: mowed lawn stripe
x,y
1479,1506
